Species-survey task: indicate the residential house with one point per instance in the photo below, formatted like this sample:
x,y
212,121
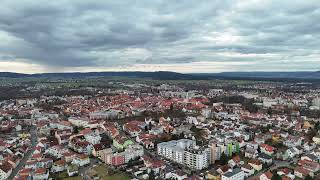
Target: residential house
x,y
97,150
69,156
63,136
309,165
266,176
256,164
265,158
267,149
302,172
316,139
56,151
235,174
72,170
156,165
292,141
310,157
178,175
81,160
93,138
40,174
250,153
292,152
223,169
285,172
309,146
31,164
134,128
148,144
121,142
252,145
235,161
58,166
247,169
79,145
5,170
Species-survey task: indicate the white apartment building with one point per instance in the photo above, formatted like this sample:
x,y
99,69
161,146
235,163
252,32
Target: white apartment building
x,y
196,158
185,151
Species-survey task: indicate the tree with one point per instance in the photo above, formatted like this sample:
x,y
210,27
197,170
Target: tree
x,y
181,136
276,176
76,130
317,126
269,111
152,176
259,149
224,159
311,133
171,107
308,178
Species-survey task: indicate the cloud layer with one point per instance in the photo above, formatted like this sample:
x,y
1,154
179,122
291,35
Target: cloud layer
x,y
176,35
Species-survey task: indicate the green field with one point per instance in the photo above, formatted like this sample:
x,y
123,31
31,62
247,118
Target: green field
x,y
116,177
105,173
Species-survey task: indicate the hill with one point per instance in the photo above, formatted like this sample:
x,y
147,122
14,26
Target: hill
x,y
166,75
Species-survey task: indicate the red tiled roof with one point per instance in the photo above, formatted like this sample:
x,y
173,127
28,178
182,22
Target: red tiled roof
x,y
302,170
6,166
98,147
255,161
85,131
157,164
36,156
60,162
25,171
267,147
40,171
309,164
268,174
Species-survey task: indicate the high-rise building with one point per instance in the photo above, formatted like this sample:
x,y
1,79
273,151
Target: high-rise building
x,y
215,152
316,102
185,151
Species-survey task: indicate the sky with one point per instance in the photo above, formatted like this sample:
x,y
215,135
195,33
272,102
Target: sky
x,y
156,35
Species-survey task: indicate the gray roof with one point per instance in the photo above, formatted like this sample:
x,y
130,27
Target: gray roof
x,y
232,173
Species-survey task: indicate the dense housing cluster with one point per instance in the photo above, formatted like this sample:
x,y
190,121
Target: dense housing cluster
x,y
228,131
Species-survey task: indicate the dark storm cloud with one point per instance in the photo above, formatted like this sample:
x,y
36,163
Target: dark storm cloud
x,y
84,33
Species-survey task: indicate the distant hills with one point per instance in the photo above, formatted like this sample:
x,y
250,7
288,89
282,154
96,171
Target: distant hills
x,y
299,75
166,75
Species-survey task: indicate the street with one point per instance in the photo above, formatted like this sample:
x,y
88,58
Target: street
x,y
277,164
34,140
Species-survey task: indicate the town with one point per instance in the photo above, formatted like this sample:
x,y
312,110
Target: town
x,y
128,129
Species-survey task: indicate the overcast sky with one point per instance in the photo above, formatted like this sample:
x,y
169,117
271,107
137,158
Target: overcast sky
x,y
154,35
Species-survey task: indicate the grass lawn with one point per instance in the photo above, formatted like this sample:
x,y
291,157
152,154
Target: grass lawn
x,y
103,173
64,176
116,177
73,178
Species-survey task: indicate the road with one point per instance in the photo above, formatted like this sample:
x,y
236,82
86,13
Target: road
x,y
277,164
34,140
